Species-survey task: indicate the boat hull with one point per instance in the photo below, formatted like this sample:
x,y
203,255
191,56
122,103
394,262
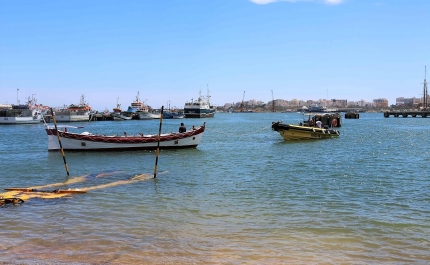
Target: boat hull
x,y
199,109
145,115
21,120
120,117
20,116
72,117
293,132
198,113
173,115
92,142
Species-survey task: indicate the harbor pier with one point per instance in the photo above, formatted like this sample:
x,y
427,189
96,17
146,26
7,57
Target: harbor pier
x,y
405,114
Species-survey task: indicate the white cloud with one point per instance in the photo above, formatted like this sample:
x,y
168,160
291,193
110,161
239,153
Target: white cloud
x,y
333,2
264,2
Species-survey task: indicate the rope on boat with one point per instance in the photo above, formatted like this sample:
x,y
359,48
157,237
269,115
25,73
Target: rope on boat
x,y
245,134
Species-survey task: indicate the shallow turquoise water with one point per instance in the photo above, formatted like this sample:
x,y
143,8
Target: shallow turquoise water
x,y
243,196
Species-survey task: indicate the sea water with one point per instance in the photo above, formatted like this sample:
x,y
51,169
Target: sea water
x,y
243,196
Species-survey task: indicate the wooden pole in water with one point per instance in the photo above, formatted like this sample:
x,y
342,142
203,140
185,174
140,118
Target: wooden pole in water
x,y
59,141
158,143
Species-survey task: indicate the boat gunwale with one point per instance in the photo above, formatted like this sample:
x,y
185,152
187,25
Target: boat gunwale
x,y
124,139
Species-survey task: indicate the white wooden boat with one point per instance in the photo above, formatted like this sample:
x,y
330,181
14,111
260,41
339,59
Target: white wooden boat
x,y
86,141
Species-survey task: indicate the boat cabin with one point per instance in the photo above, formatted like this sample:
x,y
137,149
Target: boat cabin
x,y
326,120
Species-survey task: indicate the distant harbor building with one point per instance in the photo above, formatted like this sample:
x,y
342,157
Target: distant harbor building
x,y
361,103
381,103
412,102
339,103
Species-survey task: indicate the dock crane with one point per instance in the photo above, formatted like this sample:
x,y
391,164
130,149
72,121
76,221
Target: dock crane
x,y
242,105
273,103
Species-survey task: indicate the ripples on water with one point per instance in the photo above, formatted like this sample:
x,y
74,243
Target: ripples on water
x,y
243,196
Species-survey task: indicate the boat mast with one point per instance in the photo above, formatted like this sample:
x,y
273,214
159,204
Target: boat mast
x,y
425,92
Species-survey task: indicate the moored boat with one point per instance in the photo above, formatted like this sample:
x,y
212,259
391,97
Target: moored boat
x,y
318,126
119,115
201,108
20,116
86,141
28,113
141,111
173,115
74,113
316,108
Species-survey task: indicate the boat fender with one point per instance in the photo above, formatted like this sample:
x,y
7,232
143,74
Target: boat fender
x,y
334,123
323,131
328,131
337,132
313,129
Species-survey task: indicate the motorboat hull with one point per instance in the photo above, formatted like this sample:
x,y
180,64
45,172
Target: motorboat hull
x,y
294,132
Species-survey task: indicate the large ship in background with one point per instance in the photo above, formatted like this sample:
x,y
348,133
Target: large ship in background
x,y
75,113
200,108
21,113
141,111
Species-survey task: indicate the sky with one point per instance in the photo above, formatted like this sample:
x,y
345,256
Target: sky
x,y
169,50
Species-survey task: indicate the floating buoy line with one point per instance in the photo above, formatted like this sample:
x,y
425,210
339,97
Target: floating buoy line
x,y
16,196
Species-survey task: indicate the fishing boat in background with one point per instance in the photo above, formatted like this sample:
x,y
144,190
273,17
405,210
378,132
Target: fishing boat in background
x,y
173,115
21,113
75,113
315,108
141,111
86,141
201,108
119,115
314,126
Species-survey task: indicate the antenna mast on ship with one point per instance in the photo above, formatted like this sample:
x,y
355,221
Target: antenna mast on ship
x,y
208,96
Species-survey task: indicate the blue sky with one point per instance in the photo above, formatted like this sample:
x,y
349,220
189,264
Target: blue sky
x,y
169,50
